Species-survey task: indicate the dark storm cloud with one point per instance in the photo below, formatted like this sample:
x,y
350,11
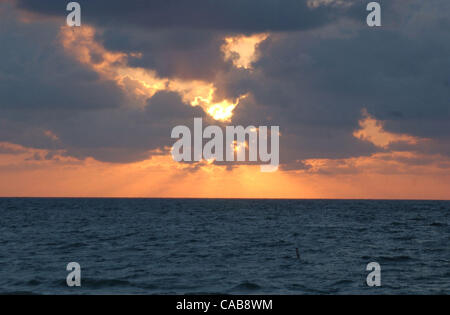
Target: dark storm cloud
x,y
35,72
313,81
41,85
179,38
125,134
230,15
113,135
314,84
42,89
185,54
395,77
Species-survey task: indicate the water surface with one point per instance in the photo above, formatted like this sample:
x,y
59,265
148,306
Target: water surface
x,y
179,246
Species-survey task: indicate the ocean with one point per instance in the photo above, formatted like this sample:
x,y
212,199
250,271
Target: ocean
x,y
213,246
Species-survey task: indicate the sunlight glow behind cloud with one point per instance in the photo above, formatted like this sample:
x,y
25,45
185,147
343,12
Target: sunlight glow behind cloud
x,y
140,84
242,50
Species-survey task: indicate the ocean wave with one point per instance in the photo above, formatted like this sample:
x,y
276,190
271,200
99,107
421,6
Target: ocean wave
x,y
246,286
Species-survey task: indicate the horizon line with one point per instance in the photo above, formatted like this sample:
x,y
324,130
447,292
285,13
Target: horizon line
x,y
220,198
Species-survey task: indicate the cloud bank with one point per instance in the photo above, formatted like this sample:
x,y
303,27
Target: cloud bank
x,y
316,70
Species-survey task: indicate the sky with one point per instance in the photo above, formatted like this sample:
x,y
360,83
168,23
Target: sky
x,y
88,111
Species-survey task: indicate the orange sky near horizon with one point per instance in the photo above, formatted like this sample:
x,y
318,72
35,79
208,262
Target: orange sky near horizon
x,y
26,173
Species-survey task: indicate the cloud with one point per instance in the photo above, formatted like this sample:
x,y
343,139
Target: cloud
x,y
114,88
315,83
372,131
242,16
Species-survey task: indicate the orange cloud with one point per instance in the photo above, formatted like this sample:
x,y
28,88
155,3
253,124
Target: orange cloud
x,y
393,163
384,175
373,131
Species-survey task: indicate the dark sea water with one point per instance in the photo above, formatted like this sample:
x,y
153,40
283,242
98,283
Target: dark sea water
x,y
177,246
